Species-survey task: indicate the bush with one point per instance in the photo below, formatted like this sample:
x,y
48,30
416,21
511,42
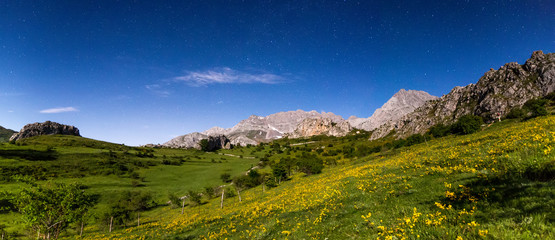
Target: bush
x,y
439,130
194,197
174,200
516,113
536,107
467,124
310,164
415,139
226,177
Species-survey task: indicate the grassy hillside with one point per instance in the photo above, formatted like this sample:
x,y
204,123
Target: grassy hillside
x,y
495,184
109,169
5,134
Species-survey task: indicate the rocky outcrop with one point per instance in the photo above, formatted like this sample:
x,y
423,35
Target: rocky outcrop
x,y
45,128
496,92
321,126
190,140
401,104
218,142
254,129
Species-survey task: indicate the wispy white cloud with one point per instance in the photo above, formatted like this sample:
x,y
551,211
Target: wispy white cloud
x,y
59,110
226,75
158,90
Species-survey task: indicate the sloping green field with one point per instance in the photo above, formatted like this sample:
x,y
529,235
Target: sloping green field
x,y
494,184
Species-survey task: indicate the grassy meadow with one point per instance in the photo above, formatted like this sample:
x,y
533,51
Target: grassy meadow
x,y
494,184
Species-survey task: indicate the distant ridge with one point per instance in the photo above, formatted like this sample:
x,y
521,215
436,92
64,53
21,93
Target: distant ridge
x,y
299,123
254,129
5,134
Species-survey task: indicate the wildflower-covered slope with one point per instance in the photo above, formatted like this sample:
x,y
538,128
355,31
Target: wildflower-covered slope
x,y
497,184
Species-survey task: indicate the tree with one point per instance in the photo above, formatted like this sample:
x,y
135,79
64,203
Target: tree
x,y
126,203
204,146
50,209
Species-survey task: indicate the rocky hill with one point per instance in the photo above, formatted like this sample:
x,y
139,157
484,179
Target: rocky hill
x,y
295,124
254,129
45,128
5,134
496,92
401,104
321,126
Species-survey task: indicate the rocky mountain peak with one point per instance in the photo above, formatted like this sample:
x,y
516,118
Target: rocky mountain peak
x,y
45,128
496,92
400,104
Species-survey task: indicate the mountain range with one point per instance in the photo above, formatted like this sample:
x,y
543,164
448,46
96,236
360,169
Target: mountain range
x,y
407,112
299,123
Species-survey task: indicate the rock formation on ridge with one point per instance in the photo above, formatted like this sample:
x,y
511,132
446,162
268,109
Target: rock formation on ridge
x,y
217,142
496,92
321,126
45,128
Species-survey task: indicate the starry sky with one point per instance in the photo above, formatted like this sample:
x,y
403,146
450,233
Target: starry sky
x,y
138,72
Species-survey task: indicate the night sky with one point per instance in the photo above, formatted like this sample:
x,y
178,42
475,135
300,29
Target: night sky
x,y
138,72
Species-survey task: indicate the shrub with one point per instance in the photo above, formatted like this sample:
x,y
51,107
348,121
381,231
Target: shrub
x,y
516,113
310,164
174,200
439,130
467,124
226,177
194,197
536,107
415,139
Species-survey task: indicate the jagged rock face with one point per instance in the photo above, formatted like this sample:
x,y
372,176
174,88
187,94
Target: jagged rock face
x,y
495,93
401,104
218,142
45,128
321,126
254,129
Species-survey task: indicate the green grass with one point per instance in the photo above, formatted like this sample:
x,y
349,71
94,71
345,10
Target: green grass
x,y
97,164
495,184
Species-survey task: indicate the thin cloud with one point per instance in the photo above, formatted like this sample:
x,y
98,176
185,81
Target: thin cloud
x,y
158,90
59,110
226,76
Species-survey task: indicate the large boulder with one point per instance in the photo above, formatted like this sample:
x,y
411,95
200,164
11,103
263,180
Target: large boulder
x,y
45,128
